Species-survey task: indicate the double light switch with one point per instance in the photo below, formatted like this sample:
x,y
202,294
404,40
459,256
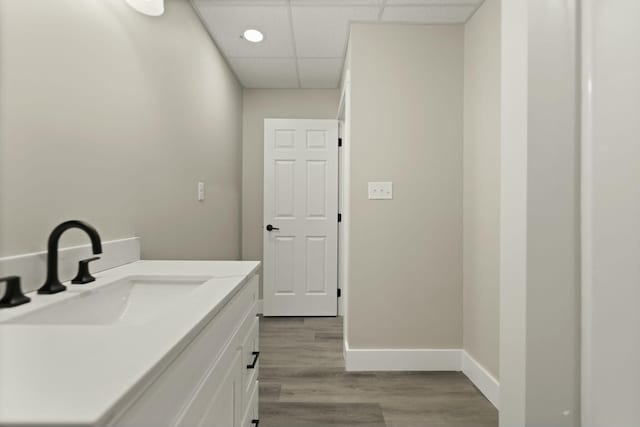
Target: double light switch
x,y
381,190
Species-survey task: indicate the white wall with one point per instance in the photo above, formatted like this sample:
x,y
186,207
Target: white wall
x,y
260,104
481,208
539,290
111,116
611,213
405,276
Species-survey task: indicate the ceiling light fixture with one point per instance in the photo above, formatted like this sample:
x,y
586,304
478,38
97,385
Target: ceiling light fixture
x,y
148,7
254,36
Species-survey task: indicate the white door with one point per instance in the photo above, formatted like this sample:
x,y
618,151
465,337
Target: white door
x,y
300,217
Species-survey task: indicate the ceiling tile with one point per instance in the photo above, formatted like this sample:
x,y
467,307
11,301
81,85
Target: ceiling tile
x,y
436,2
227,23
322,32
320,27
336,2
427,14
259,73
243,2
320,73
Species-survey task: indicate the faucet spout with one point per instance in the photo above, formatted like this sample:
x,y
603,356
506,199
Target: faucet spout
x,y
53,284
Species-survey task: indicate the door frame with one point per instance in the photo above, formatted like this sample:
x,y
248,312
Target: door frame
x,y
344,176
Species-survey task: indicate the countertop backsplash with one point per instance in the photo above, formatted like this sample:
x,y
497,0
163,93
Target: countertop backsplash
x,y
32,268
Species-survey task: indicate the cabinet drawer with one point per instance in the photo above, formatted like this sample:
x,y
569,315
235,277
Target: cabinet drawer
x,y
250,360
252,409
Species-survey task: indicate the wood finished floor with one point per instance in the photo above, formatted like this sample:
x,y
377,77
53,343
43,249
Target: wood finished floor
x,y
303,383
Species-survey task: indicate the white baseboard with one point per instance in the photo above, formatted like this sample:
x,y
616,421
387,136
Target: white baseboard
x,y
482,379
357,359
32,268
402,359
259,308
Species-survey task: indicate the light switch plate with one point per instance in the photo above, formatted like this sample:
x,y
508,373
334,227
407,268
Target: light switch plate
x,y
200,191
381,190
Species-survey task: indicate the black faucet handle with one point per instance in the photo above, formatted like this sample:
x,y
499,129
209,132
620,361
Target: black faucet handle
x,y
84,275
13,295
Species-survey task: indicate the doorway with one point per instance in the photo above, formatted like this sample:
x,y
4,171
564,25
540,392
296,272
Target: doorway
x,y
300,235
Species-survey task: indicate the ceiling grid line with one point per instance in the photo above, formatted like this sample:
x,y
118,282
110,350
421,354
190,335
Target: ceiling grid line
x,y
345,4
309,51
383,4
293,41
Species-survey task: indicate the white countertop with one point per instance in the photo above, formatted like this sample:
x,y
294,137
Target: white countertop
x,y
77,375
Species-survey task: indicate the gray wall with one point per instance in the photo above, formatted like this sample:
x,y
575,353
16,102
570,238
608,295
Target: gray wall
x,y
111,116
260,104
405,280
481,302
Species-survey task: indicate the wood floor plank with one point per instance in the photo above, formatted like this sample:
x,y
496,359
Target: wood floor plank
x,y
328,336
321,415
269,392
299,354
303,383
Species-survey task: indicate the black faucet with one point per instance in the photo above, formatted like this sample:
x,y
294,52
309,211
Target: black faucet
x,y
13,295
53,285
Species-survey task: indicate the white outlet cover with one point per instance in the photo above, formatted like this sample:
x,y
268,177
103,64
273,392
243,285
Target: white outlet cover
x,y
381,190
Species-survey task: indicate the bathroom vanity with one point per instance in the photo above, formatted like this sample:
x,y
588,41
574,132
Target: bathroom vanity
x,y
152,343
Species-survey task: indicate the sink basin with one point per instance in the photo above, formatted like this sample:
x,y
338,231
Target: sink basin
x,y
131,300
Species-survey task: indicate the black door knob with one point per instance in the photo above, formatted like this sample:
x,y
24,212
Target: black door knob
x,y
271,227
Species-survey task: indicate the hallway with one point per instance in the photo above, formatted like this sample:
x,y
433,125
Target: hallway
x,y
303,383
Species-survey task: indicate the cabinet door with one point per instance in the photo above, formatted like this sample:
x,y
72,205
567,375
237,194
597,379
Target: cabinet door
x,y
252,416
250,362
226,406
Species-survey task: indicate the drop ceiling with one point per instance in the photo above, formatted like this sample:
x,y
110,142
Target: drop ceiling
x,y
305,41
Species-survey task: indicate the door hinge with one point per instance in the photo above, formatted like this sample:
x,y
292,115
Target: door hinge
x,y
339,217
339,292
339,142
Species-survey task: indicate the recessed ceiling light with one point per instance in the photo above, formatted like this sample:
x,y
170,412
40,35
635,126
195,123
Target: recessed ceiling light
x,y
254,36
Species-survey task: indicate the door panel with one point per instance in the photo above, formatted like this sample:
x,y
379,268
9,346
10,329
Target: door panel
x,y
316,265
285,189
301,203
284,268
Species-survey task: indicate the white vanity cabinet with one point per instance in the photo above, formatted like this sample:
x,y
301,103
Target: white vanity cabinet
x,y
214,380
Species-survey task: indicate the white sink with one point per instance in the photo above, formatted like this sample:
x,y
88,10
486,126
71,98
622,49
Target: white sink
x,y
130,300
